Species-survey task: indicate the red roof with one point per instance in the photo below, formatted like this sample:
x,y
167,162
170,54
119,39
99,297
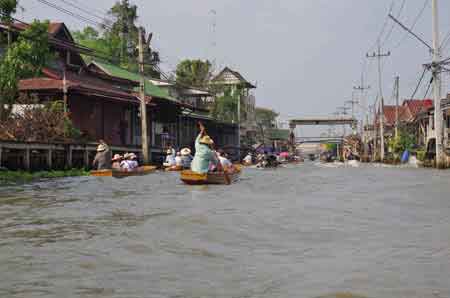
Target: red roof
x,y
415,106
389,114
53,81
53,27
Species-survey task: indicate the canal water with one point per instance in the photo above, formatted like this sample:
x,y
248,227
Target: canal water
x,y
303,231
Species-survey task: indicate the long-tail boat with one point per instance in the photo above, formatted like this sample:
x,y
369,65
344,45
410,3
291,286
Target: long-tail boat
x,y
144,170
192,178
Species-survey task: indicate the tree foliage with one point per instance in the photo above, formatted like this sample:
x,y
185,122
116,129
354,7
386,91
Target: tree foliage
x,y
195,73
24,59
34,122
117,40
266,117
7,9
404,141
225,107
121,23
108,46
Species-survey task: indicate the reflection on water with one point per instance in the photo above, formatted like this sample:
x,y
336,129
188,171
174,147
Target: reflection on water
x,y
300,231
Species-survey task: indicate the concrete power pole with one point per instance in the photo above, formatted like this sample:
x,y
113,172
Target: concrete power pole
x,y
397,92
362,99
435,68
379,56
144,131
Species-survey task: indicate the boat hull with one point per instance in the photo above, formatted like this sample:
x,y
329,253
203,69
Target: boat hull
x,y
193,178
122,174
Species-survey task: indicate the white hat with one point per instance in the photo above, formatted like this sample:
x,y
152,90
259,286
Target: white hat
x,y
169,151
185,151
101,147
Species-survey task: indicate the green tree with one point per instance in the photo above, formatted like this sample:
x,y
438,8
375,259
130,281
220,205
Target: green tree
x,y
24,59
404,141
7,9
107,46
226,106
122,23
196,73
117,40
265,119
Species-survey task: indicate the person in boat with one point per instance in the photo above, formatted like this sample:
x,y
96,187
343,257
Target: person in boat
x,y
117,159
262,160
186,158
178,160
130,162
227,165
170,158
248,159
204,154
102,160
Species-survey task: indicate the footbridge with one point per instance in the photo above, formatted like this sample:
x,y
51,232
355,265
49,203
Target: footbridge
x,y
319,140
323,121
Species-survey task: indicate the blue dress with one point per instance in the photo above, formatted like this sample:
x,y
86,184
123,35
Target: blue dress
x,y
202,158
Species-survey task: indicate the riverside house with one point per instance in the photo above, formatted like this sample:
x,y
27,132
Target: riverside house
x,y
103,103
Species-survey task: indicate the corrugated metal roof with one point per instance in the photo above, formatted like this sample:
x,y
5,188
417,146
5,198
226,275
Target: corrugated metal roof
x,y
150,88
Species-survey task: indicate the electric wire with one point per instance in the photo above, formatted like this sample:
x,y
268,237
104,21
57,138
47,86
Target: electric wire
x,y
411,28
73,14
388,35
103,18
419,83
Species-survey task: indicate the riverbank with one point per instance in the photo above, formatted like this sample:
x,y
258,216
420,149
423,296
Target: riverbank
x,y
9,177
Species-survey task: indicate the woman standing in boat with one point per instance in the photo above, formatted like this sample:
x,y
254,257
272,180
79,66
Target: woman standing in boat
x,y
204,155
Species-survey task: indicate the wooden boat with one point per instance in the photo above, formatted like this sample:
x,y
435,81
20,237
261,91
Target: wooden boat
x,y
144,170
193,178
173,169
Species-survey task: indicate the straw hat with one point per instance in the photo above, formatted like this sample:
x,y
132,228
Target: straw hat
x,y
185,151
132,156
101,147
117,157
206,140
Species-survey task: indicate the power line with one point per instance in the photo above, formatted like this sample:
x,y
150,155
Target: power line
x,y
393,25
419,83
92,9
416,20
377,41
103,18
73,14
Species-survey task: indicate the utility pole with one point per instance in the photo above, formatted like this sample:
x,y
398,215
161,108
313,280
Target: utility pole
x,y
144,133
353,102
379,55
435,68
362,88
397,95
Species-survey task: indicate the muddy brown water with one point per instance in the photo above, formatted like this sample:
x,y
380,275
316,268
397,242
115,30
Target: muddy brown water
x,y
302,231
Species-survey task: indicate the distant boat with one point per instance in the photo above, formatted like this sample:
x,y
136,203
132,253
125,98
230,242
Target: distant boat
x,y
144,170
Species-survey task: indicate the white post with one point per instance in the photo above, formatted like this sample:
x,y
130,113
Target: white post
x,y
437,85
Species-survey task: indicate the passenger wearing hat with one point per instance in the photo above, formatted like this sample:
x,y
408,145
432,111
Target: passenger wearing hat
x,y
102,160
129,163
204,155
186,158
248,159
170,158
116,161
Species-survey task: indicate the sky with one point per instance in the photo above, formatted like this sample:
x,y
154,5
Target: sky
x,y
305,56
